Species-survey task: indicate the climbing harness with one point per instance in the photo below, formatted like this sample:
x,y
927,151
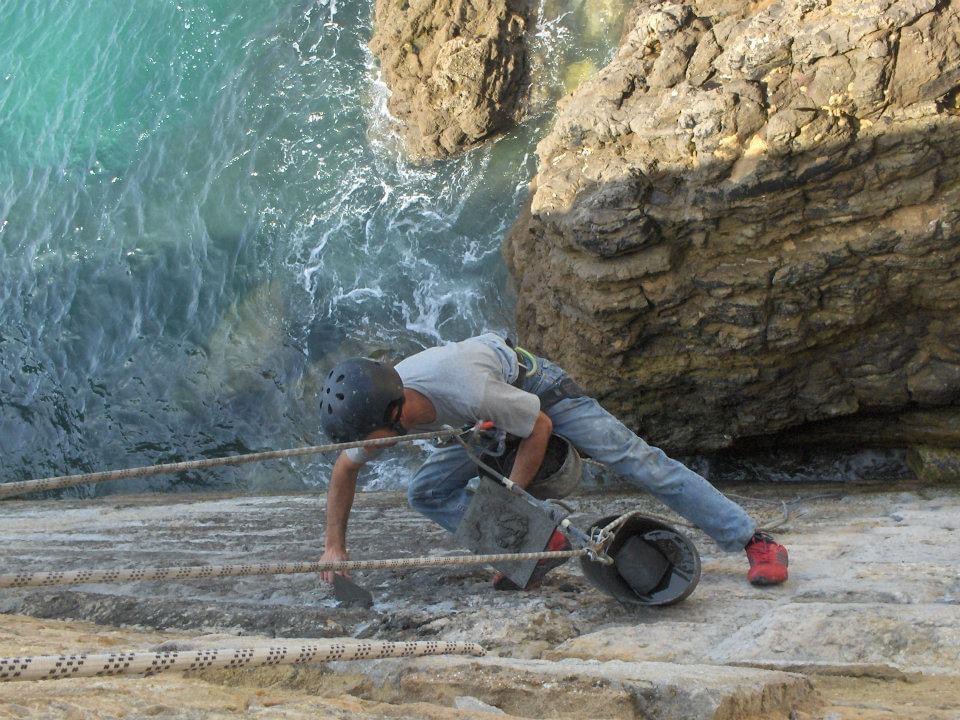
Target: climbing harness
x,y
527,364
58,667
563,389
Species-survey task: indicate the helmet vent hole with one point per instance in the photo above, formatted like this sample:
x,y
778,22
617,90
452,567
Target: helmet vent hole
x,y
339,396
340,378
328,391
329,410
330,375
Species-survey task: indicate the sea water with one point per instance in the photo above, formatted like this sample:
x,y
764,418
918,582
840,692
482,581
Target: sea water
x,y
203,205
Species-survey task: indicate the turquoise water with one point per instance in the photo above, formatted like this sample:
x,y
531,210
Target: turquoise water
x,y
202,206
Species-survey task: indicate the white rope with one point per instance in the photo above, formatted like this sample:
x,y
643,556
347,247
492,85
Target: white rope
x,y
24,487
58,667
184,572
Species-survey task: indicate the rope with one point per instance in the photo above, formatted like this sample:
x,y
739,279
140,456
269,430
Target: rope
x,y
57,667
63,481
83,577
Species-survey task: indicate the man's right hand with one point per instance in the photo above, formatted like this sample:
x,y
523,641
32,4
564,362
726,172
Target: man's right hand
x,y
343,485
333,555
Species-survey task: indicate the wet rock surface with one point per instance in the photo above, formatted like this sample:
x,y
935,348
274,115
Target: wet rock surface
x,y
747,223
457,71
873,601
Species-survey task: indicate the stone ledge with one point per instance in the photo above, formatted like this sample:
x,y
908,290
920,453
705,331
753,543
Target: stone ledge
x,y
908,639
541,688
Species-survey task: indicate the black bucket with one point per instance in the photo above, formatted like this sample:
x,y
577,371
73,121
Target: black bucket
x,y
654,563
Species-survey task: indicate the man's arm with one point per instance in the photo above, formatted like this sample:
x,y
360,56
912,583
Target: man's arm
x,y
343,486
531,451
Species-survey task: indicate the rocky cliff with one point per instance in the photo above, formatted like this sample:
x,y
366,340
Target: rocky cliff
x,y
457,70
859,618
749,220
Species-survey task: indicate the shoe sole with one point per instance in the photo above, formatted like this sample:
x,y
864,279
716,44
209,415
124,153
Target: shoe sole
x,y
766,582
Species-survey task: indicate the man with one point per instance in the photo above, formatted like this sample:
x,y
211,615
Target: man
x,y
485,379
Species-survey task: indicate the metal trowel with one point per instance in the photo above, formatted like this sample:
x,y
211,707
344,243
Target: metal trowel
x,y
350,594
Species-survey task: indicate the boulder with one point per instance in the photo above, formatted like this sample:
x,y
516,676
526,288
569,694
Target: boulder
x,y
933,464
749,222
457,71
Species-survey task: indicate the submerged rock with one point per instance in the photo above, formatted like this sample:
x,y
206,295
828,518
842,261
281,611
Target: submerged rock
x,y
576,73
748,221
457,71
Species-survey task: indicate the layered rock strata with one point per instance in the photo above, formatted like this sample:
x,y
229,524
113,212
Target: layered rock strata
x,y
749,221
457,70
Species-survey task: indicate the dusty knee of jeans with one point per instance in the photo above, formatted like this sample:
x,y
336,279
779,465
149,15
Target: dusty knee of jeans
x,y
668,476
418,494
650,466
632,449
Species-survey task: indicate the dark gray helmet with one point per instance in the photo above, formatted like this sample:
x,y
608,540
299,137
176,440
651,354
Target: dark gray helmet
x,y
359,396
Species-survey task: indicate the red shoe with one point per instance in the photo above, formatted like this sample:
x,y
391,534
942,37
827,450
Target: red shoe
x,y
768,560
557,543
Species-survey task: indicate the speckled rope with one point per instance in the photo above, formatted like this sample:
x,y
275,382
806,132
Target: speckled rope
x,y
58,667
24,487
82,577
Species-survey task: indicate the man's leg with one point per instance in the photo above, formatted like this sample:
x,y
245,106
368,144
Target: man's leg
x,y
438,489
602,436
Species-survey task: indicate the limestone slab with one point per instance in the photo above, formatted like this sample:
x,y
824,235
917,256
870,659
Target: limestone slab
x,y
565,689
907,638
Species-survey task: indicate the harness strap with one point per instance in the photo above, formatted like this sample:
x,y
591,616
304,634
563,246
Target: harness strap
x,y
528,364
566,388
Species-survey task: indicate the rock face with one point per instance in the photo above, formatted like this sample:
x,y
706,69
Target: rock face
x,y
749,222
905,639
873,599
933,464
457,70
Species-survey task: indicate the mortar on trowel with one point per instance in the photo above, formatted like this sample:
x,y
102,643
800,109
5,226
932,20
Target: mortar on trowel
x,y
647,562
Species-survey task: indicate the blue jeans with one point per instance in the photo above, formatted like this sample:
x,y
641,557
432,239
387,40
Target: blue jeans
x,y
438,489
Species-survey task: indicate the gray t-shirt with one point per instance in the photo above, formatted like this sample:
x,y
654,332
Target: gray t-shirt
x,y
467,382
